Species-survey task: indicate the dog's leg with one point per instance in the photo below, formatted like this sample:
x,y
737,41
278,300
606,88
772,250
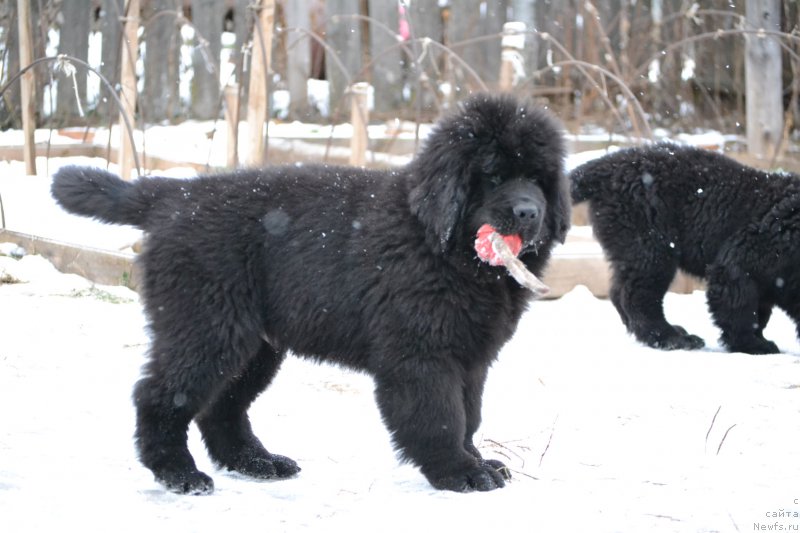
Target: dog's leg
x,y
616,294
163,414
638,294
422,404
473,398
733,300
226,428
186,370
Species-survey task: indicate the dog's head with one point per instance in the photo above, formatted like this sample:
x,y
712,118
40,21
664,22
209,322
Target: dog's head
x,y
496,160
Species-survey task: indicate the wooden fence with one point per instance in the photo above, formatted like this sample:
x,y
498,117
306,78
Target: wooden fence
x,y
587,59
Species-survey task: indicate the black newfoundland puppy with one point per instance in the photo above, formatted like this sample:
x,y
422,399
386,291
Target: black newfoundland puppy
x,y
374,270
661,208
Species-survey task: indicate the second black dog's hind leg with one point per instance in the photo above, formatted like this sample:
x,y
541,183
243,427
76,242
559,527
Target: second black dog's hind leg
x,y
422,404
734,302
473,399
638,294
226,427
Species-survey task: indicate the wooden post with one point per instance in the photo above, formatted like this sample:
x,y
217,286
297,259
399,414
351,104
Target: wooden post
x,y
359,118
258,99
130,52
28,85
232,118
512,63
763,73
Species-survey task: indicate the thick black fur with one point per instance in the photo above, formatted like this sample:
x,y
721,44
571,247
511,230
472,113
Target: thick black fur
x,y
661,208
374,270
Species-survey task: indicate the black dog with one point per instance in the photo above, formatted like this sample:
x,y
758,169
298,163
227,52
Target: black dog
x,y
374,270
660,208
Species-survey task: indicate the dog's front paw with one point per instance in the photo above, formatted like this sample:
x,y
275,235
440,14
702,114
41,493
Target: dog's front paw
x,y
186,482
754,346
499,466
486,476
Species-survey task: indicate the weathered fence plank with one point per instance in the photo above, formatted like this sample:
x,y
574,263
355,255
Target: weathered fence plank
x,y
111,30
386,56
474,19
73,41
242,26
425,21
344,39
298,69
525,11
207,21
161,56
763,73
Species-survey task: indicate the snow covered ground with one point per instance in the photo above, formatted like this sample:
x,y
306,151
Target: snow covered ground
x,y
602,434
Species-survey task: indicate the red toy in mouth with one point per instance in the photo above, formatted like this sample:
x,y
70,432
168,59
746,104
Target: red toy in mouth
x,y
485,250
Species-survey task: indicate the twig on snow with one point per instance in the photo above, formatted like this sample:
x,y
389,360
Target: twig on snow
x,y
723,438
552,431
712,425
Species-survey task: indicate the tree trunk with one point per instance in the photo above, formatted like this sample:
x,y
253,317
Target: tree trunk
x,y
763,73
207,19
73,41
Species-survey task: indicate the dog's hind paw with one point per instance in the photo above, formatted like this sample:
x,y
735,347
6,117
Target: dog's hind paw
x,y
262,465
754,346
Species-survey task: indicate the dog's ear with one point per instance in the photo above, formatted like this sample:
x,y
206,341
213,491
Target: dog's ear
x,y
560,209
439,200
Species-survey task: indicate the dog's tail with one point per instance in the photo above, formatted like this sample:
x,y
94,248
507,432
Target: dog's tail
x,y
583,182
95,193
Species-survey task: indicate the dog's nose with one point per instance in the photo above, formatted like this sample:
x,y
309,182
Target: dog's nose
x,y
526,211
